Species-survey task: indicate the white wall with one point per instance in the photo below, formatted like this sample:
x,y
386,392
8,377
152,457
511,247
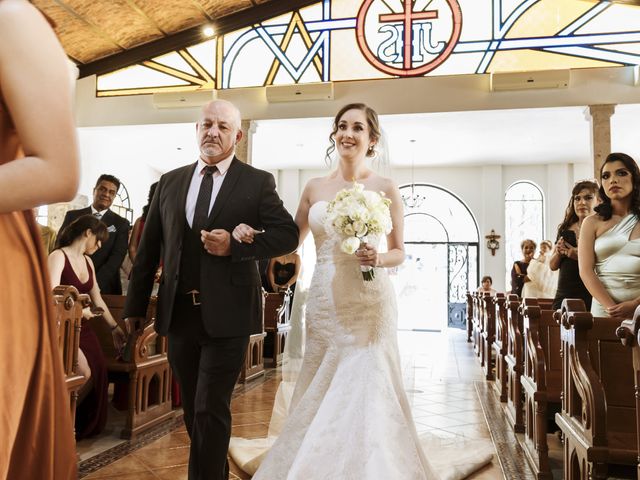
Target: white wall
x,y
481,188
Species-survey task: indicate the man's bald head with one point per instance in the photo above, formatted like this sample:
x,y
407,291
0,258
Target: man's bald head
x,y
218,131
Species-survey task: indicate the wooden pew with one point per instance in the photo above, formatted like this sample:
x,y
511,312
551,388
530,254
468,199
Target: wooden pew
x,y
68,304
478,325
277,326
146,368
488,335
541,381
469,316
629,334
598,404
514,362
254,358
500,345
514,357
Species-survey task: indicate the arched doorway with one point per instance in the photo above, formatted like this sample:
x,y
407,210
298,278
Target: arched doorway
x,y
441,243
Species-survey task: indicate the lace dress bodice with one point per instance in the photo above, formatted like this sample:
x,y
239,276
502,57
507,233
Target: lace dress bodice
x,y
363,312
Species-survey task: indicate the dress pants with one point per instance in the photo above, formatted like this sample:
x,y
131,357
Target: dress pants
x,y
207,370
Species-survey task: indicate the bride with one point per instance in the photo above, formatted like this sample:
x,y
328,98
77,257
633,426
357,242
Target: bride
x,y
349,416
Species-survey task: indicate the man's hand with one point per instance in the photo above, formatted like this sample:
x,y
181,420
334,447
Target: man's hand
x,y
217,242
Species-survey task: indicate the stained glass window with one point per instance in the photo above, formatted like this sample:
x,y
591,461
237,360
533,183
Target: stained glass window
x,y
342,40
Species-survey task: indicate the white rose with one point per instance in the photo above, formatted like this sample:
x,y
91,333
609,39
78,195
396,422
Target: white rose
x,y
349,230
360,228
350,245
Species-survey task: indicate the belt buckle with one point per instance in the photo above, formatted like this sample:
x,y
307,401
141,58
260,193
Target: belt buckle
x,y
195,297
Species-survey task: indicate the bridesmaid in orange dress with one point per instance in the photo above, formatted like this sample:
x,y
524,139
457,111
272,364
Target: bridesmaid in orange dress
x,y
36,119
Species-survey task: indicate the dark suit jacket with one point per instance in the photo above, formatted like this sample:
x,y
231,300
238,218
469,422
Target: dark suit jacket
x,y
109,257
230,286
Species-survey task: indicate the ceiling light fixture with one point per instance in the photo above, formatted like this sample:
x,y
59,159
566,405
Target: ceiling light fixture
x,y
412,200
208,31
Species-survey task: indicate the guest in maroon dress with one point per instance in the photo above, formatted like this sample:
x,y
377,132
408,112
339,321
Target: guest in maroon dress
x,y
69,264
138,225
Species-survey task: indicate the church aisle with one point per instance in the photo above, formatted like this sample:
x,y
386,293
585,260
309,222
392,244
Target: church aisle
x,y
449,395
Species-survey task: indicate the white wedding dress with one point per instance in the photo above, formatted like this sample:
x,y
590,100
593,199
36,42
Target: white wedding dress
x,y
349,417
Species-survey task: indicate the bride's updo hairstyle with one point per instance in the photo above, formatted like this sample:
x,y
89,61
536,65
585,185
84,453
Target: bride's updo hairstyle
x,y
372,122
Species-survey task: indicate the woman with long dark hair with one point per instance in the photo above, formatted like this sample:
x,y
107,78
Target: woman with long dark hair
x,y
609,248
70,264
584,197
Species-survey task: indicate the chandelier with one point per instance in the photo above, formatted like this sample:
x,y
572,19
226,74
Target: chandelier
x,y
413,199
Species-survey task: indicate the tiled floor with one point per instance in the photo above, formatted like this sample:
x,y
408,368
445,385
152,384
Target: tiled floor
x,y
449,395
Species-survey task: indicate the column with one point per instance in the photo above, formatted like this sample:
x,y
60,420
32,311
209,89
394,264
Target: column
x,y
243,149
599,116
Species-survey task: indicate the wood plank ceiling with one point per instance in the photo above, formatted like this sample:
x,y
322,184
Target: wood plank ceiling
x,y
104,35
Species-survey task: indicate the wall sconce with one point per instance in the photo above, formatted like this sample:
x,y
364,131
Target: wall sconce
x,y
492,242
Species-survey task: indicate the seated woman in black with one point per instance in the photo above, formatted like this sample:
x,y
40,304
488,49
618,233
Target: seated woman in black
x,y
283,272
519,269
565,257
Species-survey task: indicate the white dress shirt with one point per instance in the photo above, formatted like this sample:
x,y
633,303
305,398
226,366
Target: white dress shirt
x,y
101,213
196,180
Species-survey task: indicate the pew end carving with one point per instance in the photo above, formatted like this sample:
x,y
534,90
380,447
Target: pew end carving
x,y
68,305
541,381
143,366
629,334
276,325
598,395
254,357
500,345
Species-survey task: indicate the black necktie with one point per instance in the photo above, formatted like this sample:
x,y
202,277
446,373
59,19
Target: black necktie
x,y
201,214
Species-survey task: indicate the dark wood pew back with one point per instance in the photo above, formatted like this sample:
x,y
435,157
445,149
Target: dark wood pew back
x,y
629,334
598,395
500,345
68,304
144,367
541,381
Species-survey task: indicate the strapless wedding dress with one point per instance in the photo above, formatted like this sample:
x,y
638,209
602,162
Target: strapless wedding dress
x,y
349,417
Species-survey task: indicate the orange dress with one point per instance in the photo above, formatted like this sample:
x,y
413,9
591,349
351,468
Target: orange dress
x,y
36,437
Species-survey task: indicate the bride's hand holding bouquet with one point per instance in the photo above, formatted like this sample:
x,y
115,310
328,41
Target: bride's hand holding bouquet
x,y
355,214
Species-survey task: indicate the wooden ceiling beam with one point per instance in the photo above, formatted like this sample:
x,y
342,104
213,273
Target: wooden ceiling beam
x,y
191,36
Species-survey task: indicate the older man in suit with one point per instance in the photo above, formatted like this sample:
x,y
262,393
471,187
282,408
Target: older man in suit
x,y
109,257
209,300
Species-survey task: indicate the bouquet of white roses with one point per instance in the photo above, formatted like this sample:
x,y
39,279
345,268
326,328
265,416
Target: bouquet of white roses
x,y
356,213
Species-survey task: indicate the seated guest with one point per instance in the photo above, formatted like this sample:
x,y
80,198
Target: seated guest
x,y
108,259
542,280
565,257
283,272
47,234
70,264
485,286
609,251
138,225
519,270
